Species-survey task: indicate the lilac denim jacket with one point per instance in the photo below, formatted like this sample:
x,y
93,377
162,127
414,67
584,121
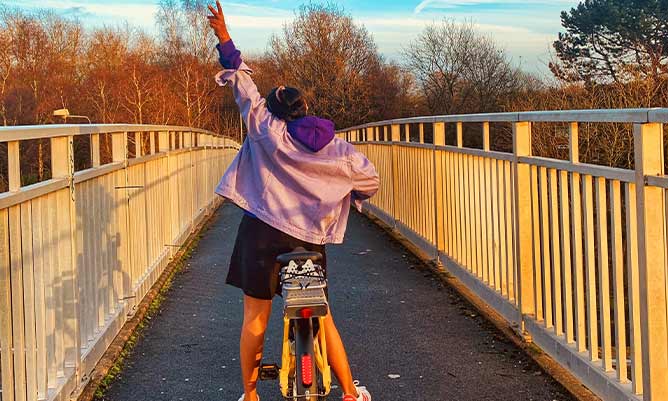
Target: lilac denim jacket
x,y
296,177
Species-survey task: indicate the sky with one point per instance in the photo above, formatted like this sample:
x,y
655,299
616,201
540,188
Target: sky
x,y
525,28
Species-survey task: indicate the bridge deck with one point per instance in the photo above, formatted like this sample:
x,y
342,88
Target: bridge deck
x,y
394,319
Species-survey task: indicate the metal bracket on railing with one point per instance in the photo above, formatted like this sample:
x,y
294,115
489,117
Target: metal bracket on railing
x,y
130,187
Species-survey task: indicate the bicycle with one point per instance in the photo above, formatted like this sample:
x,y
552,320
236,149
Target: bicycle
x,y
305,374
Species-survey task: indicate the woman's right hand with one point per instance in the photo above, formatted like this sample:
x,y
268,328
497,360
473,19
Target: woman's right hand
x,y
217,23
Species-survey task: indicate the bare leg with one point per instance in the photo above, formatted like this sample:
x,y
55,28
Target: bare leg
x,y
338,360
256,317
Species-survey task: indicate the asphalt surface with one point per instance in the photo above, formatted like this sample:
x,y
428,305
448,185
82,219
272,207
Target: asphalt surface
x,y
408,337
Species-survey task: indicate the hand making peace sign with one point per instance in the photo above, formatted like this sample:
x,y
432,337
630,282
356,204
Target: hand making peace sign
x,y
217,22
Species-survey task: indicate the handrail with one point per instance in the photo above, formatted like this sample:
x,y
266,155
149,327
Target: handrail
x,y
647,115
28,132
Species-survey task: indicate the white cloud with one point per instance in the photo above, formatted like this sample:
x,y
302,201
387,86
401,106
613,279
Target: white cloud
x,y
426,4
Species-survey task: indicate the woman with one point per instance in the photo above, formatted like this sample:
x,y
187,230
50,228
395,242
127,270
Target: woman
x,y
295,181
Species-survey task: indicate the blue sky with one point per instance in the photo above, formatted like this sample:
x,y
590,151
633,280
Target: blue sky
x,y
525,28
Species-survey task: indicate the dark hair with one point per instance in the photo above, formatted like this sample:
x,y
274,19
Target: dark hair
x,y
286,103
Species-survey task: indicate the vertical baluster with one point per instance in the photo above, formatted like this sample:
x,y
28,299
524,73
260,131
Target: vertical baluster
x,y
496,216
590,267
461,229
565,215
510,239
40,296
489,213
576,237
29,300
618,279
545,248
475,211
504,267
633,284
6,334
556,254
603,273
536,255
482,205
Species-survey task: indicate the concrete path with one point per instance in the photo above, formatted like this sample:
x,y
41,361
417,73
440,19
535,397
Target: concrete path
x,y
394,319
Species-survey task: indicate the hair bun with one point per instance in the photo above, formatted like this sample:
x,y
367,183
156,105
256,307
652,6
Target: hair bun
x,y
286,103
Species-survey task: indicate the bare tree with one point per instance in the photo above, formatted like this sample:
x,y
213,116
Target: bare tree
x,y
104,59
460,70
325,54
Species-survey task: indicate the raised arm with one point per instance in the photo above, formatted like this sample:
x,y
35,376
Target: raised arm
x,y
238,75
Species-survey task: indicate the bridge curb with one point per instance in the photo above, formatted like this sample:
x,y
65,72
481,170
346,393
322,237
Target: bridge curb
x,y
546,363
135,323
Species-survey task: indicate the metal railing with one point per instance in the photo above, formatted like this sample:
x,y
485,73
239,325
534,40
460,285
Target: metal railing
x,y
79,251
571,254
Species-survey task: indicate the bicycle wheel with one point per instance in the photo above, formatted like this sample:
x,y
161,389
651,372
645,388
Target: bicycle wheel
x,y
306,375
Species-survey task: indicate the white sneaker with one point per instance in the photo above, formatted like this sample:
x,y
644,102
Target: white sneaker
x,y
363,394
258,397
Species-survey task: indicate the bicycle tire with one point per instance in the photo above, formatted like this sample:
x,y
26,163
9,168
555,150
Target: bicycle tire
x,y
303,329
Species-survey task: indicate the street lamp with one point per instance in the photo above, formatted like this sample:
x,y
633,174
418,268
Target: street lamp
x,y
65,114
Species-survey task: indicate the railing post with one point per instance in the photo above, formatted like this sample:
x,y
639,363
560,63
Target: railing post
x,y
523,223
485,137
407,128
14,168
95,150
151,139
579,324
188,140
62,166
460,135
163,141
396,138
138,145
6,337
439,171
123,280
649,159
189,143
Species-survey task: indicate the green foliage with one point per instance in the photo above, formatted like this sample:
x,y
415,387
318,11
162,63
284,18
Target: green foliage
x,y
613,40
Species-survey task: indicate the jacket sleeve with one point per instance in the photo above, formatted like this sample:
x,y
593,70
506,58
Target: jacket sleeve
x,y
238,76
365,179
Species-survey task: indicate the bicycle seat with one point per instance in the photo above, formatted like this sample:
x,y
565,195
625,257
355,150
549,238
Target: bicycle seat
x,y
299,255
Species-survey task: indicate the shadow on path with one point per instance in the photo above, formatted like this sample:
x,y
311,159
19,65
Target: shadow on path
x,y
394,319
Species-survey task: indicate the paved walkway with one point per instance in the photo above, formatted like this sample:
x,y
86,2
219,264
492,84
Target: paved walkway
x,y
395,320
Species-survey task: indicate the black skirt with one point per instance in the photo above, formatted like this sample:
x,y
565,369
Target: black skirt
x,y
253,266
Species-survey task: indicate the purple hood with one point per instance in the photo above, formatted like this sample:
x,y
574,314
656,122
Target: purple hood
x,y
313,132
